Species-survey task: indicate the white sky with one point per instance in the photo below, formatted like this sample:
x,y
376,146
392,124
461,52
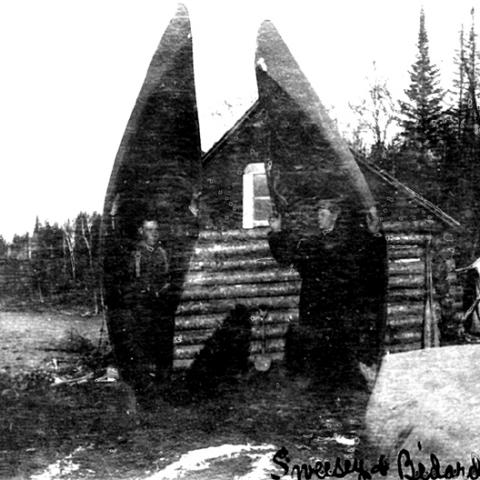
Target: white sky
x,y
71,71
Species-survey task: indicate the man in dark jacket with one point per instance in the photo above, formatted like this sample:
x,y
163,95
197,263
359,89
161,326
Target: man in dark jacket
x,y
330,258
320,256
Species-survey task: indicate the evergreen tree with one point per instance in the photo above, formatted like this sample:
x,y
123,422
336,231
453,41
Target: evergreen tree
x,y
469,106
48,260
422,112
461,135
19,246
3,247
456,111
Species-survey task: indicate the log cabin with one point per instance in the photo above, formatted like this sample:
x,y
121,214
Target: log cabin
x,y
232,263
159,167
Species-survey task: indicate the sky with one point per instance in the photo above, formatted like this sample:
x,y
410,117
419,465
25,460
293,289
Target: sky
x,y
71,71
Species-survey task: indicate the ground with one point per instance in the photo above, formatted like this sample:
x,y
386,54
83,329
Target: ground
x,y
94,430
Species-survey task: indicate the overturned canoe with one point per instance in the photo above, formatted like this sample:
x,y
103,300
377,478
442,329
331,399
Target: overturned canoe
x,y
307,161
154,177
305,146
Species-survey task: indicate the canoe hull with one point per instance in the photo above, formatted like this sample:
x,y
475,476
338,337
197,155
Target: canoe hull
x,y
155,175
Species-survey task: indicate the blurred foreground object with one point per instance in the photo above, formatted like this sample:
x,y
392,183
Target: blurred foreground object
x,y
427,396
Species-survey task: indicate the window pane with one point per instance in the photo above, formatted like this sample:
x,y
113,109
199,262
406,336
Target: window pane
x,y
260,188
262,209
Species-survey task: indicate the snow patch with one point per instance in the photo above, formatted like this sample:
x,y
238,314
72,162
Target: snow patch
x,y
60,468
201,459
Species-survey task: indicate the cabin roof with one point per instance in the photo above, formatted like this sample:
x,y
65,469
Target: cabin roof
x,y
386,177
217,146
381,174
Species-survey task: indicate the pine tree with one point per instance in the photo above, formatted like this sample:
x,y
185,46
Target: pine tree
x,y
469,107
422,112
462,137
457,111
3,247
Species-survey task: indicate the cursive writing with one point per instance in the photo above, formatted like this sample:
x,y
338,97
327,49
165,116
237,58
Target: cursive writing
x,y
325,469
408,470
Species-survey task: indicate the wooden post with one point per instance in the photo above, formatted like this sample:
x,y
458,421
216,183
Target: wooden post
x,y
431,333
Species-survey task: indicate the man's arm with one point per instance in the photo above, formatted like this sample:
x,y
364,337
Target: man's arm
x,y
282,244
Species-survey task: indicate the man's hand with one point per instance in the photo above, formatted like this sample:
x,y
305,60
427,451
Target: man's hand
x,y
373,221
275,222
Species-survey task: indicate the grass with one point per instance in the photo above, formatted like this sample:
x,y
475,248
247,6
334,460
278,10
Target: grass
x,y
41,424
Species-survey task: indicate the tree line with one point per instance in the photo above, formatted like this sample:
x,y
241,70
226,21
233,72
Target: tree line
x,y
435,149
63,263
436,142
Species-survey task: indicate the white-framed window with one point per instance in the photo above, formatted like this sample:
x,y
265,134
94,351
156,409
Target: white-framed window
x,y
257,205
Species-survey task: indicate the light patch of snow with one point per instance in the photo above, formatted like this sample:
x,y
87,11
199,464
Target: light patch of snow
x,y
342,440
261,466
195,460
60,468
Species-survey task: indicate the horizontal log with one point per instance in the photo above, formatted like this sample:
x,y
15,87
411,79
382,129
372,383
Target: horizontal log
x,y
404,322
260,247
214,320
404,347
401,267
456,290
407,239
186,351
412,226
458,306
395,253
457,299
405,309
271,345
405,336
184,364
270,331
229,235
199,337
406,281
423,226
405,294
235,277
274,356
199,307
252,264
242,290
452,277
192,337
395,265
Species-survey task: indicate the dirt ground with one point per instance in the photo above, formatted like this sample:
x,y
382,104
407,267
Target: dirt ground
x,y
94,430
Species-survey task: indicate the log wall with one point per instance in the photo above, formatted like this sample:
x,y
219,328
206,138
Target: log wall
x,y
230,268
235,267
